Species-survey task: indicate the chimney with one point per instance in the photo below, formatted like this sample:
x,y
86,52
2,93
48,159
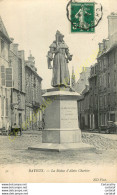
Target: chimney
x,y
21,54
112,24
112,28
105,44
101,47
15,48
31,60
11,45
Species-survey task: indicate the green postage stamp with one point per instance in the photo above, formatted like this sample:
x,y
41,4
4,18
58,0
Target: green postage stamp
x,y
82,17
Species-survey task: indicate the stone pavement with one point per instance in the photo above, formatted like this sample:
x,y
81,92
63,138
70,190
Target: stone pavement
x,y
15,150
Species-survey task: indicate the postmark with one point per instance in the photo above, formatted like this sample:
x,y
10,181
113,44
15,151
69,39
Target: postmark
x,y
84,16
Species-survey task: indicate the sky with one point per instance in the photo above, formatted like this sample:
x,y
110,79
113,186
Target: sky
x,y
33,25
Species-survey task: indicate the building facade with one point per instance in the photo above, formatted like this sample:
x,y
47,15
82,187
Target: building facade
x,y
33,94
83,80
102,93
107,74
5,78
16,60
83,109
20,86
93,97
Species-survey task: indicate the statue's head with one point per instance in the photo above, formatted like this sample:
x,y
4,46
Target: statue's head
x,y
82,7
59,36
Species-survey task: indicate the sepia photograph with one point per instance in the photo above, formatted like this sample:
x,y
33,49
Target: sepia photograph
x,y
58,91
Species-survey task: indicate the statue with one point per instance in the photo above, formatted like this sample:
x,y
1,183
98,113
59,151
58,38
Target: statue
x,y
59,54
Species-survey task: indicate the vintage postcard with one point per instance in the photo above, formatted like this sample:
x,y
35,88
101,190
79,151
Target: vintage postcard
x,y
58,91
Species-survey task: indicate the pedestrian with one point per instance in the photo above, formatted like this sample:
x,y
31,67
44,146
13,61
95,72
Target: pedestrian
x,y
43,123
8,127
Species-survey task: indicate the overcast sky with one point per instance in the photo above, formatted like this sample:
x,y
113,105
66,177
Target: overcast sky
x,y
33,24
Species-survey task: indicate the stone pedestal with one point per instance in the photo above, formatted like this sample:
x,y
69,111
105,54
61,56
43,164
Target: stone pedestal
x,y
61,118
61,122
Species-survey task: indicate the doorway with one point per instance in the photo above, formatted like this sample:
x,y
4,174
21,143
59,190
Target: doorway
x,y
20,119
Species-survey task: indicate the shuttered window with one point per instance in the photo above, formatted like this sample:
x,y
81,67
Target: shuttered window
x,y
9,77
2,105
2,75
6,106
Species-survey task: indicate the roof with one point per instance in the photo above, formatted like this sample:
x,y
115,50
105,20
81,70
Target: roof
x,y
34,72
3,30
108,50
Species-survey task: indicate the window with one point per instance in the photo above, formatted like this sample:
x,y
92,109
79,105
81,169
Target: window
x,y
6,106
20,74
109,99
115,98
2,105
100,101
96,101
105,62
102,65
105,119
108,79
98,65
91,101
99,81
105,100
15,118
115,74
100,121
104,80
8,77
2,75
109,60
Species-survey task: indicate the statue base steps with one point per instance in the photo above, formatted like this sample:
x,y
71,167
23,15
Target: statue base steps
x,y
81,147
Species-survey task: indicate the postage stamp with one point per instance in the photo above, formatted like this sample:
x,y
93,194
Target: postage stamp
x,y
82,17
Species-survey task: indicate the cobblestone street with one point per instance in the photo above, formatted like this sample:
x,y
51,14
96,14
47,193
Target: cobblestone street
x,y
14,150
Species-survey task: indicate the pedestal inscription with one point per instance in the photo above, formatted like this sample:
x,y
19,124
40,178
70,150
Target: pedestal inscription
x,y
68,114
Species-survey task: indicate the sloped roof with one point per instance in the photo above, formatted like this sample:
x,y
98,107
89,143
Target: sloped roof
x,y
3,29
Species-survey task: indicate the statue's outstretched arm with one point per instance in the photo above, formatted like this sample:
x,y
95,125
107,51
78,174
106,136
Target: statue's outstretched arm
x,y
87,13
77,14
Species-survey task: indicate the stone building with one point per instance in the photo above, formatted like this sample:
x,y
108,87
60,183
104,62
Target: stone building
x,y
93,96
102,93
107,74
16,59
83,109
83,80
5,78
33,94
20,86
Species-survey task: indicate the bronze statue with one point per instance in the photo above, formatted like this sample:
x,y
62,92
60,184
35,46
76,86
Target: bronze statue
x,y
59,54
